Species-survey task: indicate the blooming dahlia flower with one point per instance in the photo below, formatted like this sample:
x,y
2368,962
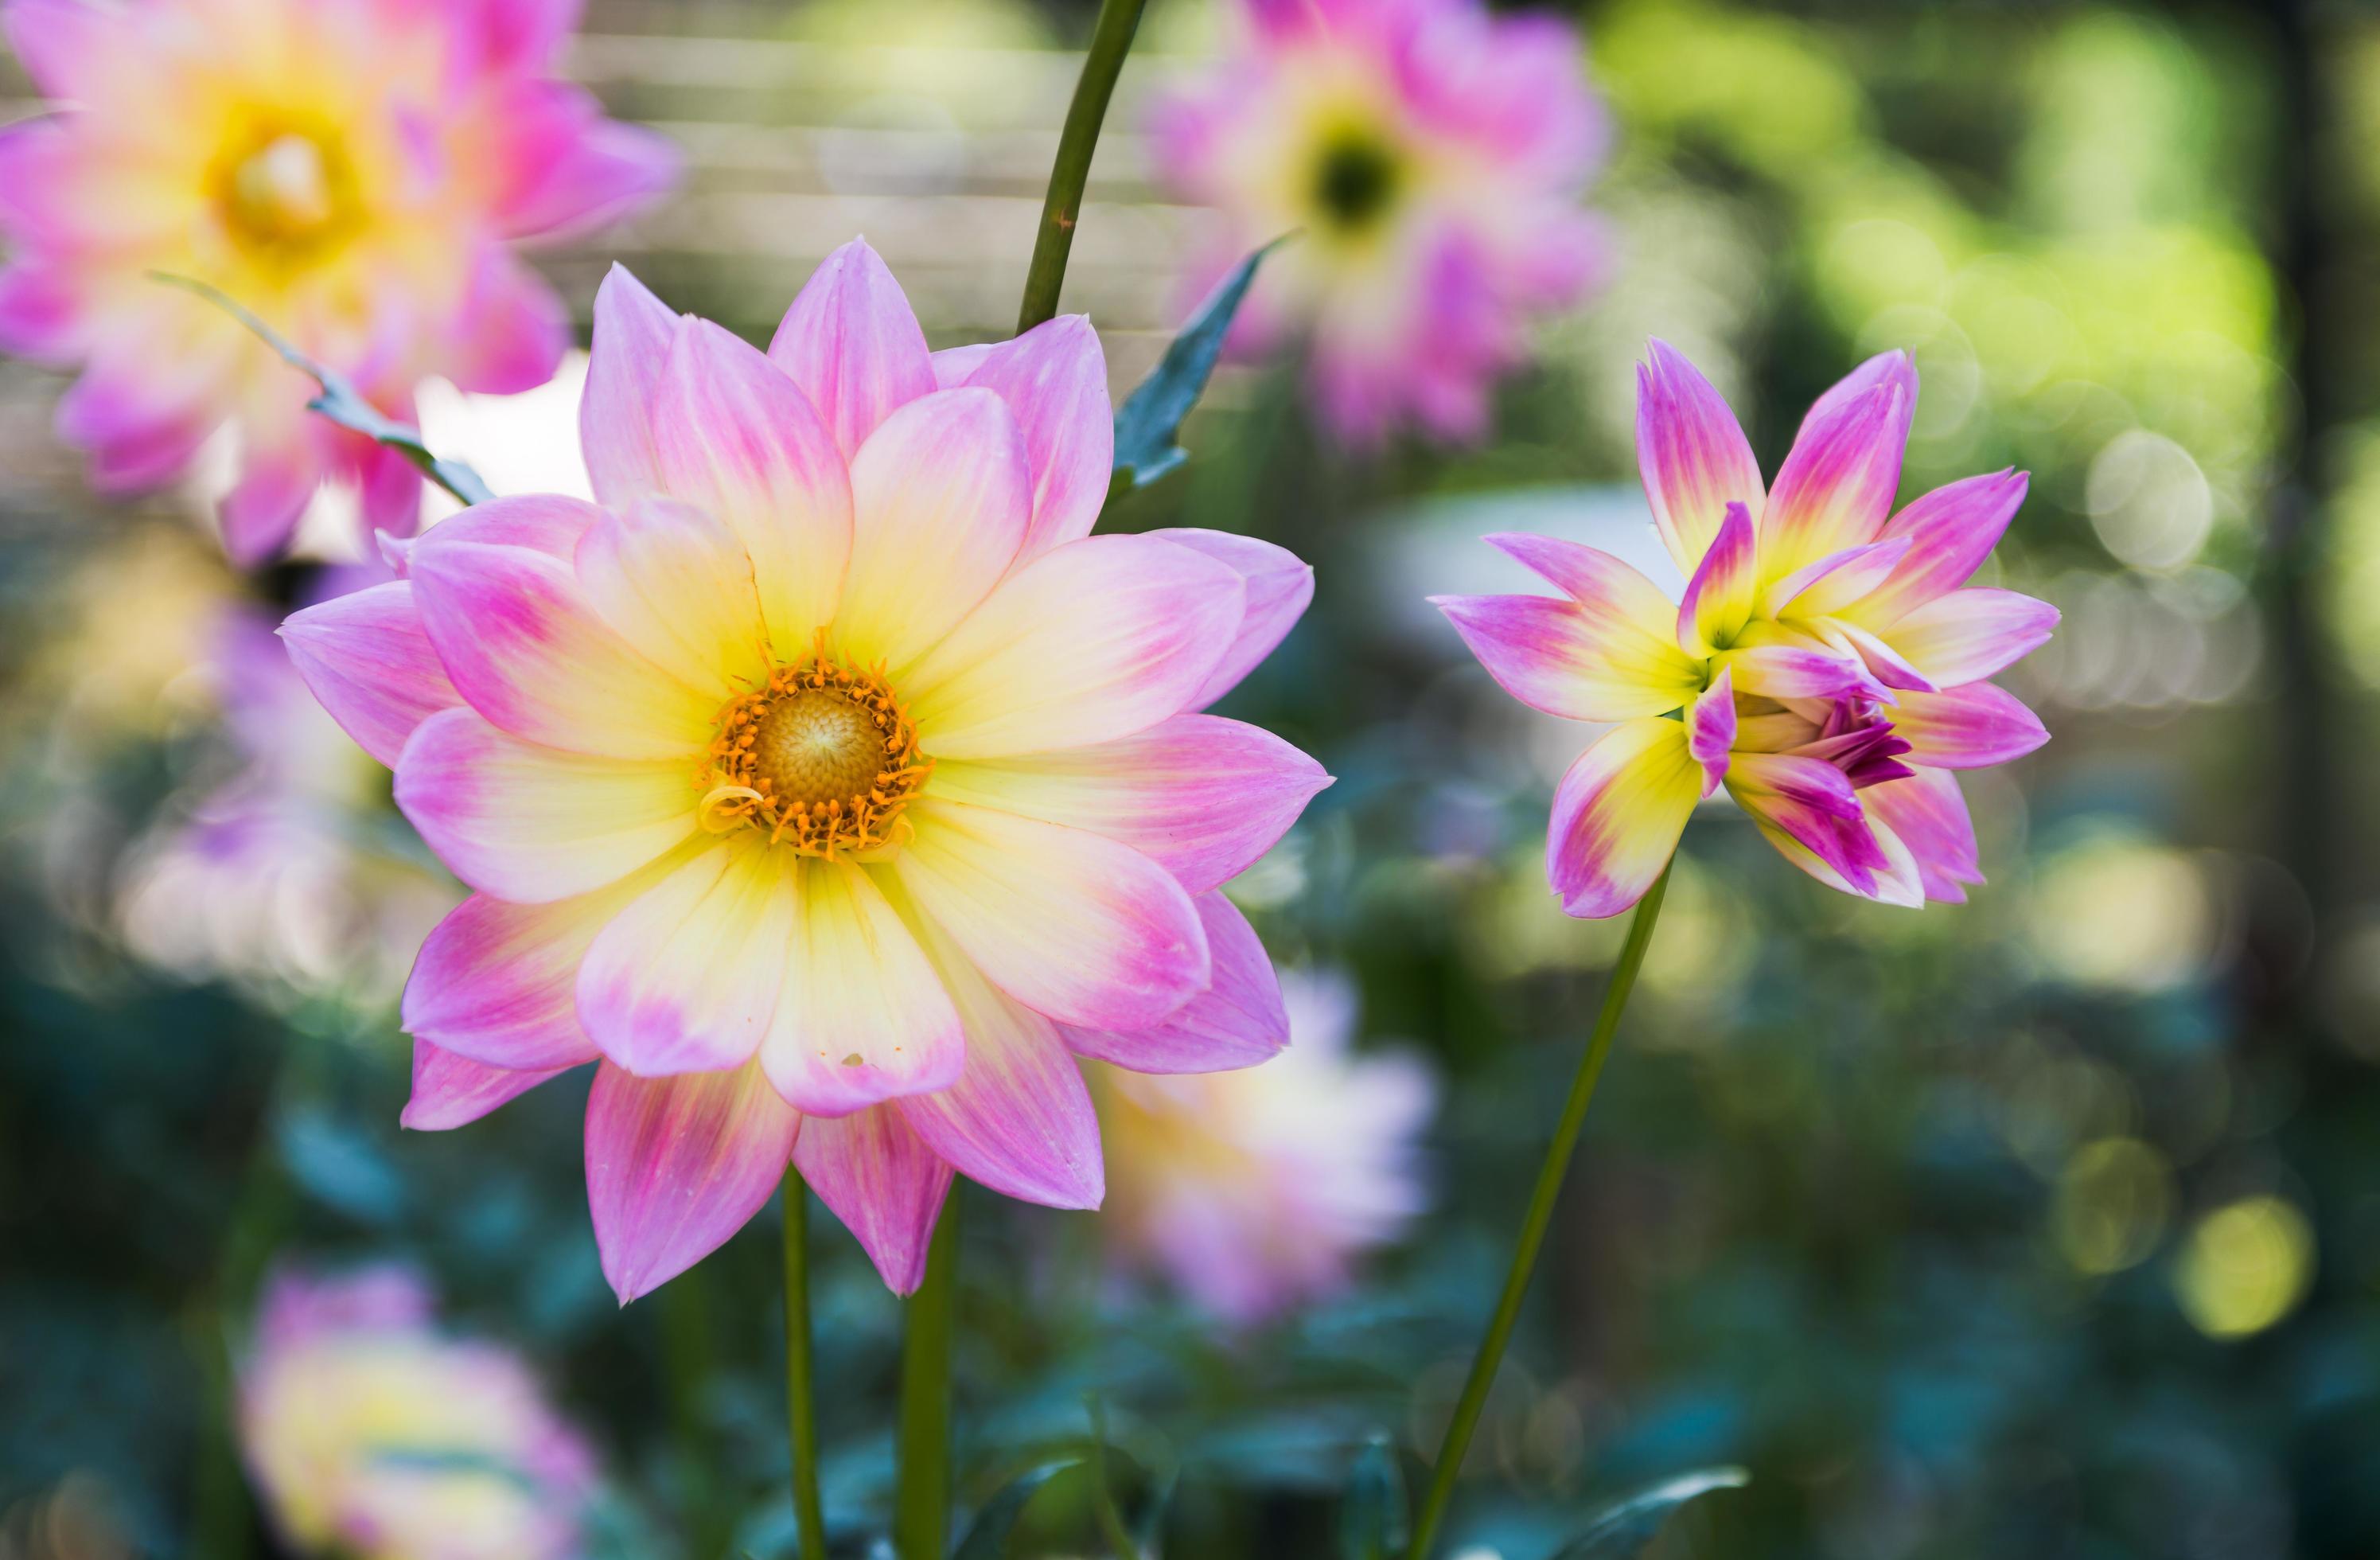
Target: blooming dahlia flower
x,y
371,1434
828,782
355,171
1254,1190
1826,664
1430,157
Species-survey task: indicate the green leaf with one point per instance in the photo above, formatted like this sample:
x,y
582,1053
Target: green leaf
x,y
339,401
1621,1530
1149,422
987,1536
1373,1522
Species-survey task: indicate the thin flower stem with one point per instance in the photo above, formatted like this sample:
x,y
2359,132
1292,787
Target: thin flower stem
x,y
1103,1505
801,1415
1111,39
1533,1228
921,1518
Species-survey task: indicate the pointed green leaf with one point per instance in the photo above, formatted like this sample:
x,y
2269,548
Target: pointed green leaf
x,y
1373,1516
1149,422
987,1536
1621,1530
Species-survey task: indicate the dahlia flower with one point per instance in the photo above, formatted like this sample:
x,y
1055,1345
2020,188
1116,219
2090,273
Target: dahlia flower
x,y
1430,157
1826,664
824,779
1254,1190
354,171
371,1434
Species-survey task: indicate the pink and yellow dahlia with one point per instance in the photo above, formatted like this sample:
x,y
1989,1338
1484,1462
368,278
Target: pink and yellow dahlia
x,y
825,780
1826,664
372,1435
1430,156
354,171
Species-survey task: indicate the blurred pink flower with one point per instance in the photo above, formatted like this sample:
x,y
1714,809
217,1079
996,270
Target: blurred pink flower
x,y
1254,1190
1430,157
1827,662
355,171
829,783
371,1434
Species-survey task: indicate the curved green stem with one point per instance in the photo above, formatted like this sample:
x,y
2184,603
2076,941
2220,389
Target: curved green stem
x,y
801,1415
1533,1228
1111,39
921,1517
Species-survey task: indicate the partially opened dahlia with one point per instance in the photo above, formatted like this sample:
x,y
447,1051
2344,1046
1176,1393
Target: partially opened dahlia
x,y
825,780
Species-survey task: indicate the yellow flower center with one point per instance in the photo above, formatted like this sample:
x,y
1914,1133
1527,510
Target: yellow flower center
x,y
822,757
286,196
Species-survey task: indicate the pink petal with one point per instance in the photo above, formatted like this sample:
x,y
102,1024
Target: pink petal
x,y
1951,531
876,1175
1279,586
573,170
544,523
1054,379
1097,639
1019,1119
685,979
852,343
41,314
1719,597
498,982
678,586
1617,815
675,1165
366,658
1836,487
531,824
1200,796
1970,728
1888,665
1069,922
862,1016
630,346
1573,660
733,435
261,513
1770,662
1811,802
515,36
61,43
451,1090
1237,1022
1929,815
1710,728
390,495
941,499
1835,581
1968,635
510,331
1692,453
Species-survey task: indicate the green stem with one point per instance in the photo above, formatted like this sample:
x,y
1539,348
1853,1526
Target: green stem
x,y
686,1353
1111,39
1103,1505
1533,1228
921,1518
801,1416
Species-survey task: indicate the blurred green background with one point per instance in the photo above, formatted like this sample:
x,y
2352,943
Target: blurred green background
x,y
2047,1225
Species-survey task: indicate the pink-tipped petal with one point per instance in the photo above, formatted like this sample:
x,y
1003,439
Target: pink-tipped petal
x,y
732,435
1710,728
1883,662
498,982
1082,929
451,1090
862,1016
41,310
1200,796
630,347
1237,1022
531,824
675,1165
261,513
853,343
1054,379
1968,635
1721,595
1019,1119
940,501
1970,728
1098,640
584,171
1836,487
512,328
544,523
365,657
1828,586
1573,660
61,43
678,585
1772,662
1692,453
875,1174
1280,587
1951,531
1929,815
685,979
1617,815
1812,803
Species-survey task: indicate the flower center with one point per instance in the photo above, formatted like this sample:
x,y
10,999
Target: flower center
x,y
1355,181
287,197
822,757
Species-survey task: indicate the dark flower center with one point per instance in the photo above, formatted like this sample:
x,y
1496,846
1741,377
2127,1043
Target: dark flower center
x,y
1356,182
